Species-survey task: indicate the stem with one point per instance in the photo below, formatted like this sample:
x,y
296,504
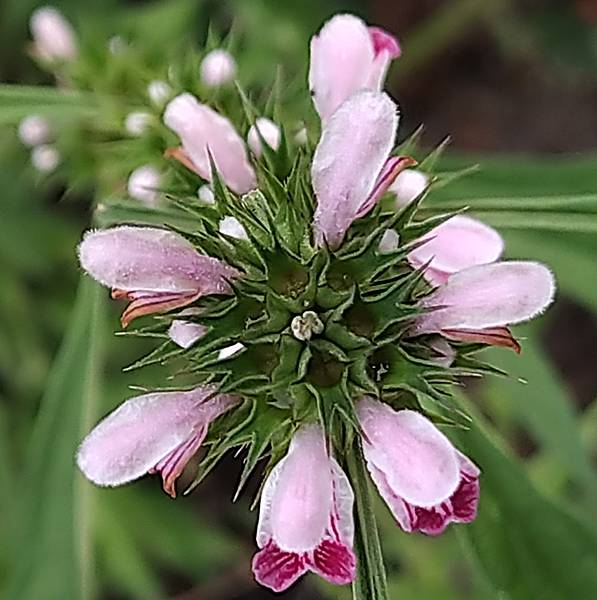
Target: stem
x,y
370,583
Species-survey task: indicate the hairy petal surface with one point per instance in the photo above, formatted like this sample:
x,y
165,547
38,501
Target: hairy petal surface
x,y
488,296
349,158
456,244
418,461
152,260
138,435
202,131
347,56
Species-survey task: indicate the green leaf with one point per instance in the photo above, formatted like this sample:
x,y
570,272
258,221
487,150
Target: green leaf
x,y
55,511
528,546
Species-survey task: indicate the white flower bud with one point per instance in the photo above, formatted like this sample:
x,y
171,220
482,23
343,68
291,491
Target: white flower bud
x,y
206,194
217,68
143,185
53,36
408,185
269,131
159,92
389,242
45,158
117,45
230,226
137,123
34,130
230,351
301,137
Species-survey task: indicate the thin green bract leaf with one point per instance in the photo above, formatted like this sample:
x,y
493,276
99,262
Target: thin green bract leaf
x,y
54,518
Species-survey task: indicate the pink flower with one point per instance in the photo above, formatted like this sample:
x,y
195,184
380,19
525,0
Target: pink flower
x,y
423,479
305,518
477,304
456,244
157,270
203,131
352,166
153,433
347,56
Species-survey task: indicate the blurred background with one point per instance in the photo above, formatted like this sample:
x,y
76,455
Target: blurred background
x,y
514,84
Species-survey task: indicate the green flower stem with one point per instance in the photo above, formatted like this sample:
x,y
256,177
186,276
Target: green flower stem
x,y
370,583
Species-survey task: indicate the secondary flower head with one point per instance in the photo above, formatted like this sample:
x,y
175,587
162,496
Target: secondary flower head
x,y
217,68
157,270
53,36
153,433
347,56
424,480
203,131
305,517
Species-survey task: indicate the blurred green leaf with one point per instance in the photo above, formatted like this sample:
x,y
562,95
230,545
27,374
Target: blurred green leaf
x,y
52,514
528,546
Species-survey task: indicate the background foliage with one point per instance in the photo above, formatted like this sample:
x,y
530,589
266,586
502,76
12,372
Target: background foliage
x,y
515,84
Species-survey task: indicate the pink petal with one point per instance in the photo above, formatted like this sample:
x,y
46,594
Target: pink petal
x,y
418,462
342,56
277,569
151,259
350,156
334,561
297,497
456,244
142,432
490,295
202,130
386,49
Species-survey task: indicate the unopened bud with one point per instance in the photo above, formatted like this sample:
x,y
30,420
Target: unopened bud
x,y
143,185
53,35
218,68
137,123
45,158
409,185
269,131
34,130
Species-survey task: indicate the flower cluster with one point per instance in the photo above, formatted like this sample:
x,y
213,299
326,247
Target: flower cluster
x,y
316,315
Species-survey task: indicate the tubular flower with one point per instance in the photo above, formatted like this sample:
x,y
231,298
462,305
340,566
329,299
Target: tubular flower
x,y
347,56
456,244
305,518
153,433
478,303
352,166
53,36
423,479
203,131
157,270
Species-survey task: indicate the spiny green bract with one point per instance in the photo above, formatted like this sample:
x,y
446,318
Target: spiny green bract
x,y
366,301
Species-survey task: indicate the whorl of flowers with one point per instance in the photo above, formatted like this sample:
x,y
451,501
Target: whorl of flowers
x,y
318,317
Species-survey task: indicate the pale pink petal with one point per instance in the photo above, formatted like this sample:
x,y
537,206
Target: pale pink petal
x,y
456,244
350,156
386,49
342,55
418,461
297,499
150,259
487,296
143,431
203,131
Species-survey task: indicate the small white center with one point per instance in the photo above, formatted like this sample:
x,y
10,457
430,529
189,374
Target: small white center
x,y
304,326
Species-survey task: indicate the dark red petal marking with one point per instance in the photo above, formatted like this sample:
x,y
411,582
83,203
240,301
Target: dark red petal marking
x,y
173,464
146,303
382,40
334,561
494,336
276,569
466,499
